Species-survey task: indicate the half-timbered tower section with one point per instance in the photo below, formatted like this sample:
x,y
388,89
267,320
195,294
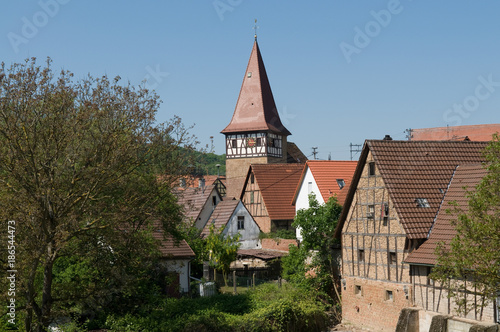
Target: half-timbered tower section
x,y
268,192
430,294
255,134
395,194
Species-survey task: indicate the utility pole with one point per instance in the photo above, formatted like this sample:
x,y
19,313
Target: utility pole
x,y
354,148
212,147
409,134
314,152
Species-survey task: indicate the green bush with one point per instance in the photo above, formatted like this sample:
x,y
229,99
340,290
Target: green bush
x,y
266,308
279,234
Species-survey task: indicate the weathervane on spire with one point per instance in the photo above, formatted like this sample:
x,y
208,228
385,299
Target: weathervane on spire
x,y
255,27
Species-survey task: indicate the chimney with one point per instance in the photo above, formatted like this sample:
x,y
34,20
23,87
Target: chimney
x,y
182,182
387,138
201,183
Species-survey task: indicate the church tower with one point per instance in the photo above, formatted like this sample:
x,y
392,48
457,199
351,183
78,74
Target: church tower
x,y
255,134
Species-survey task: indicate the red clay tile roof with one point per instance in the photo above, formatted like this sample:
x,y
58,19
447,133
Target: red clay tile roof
x,y
326,173
194,181
442,230
255,109
277,183
415,169
478,133
171,248
221,215
193,200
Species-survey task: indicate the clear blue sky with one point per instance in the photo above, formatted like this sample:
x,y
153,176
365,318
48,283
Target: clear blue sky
x,y
341,71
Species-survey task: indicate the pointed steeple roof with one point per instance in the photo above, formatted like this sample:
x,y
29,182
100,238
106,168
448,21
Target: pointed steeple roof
x,y
255,109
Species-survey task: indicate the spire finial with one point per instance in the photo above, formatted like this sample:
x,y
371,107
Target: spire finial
x,y
255,27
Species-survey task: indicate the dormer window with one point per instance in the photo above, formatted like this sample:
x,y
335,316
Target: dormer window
x,y
422,202
341,183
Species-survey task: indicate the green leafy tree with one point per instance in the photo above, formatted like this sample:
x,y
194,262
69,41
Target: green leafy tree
x,y
222,250
317,224
474,253
192,236
78,181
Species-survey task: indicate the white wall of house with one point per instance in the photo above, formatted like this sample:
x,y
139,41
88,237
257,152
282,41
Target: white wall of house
x,y
207,209
307,187
249,234
182,267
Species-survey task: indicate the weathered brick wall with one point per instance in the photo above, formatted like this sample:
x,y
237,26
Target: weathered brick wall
x,y
371,307
281,244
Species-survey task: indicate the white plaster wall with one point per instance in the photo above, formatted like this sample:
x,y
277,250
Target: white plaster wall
x,y
302,201
181,266
207,210
249,237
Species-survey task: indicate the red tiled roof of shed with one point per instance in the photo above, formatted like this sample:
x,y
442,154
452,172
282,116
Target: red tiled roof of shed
x,y
172,248
442,230
326,173
255,109
277,183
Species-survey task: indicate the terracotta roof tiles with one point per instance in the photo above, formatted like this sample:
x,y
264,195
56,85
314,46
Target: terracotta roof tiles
x,y
172,248
482,132
277,183
415,169
326,173
467,176
221,215
193,200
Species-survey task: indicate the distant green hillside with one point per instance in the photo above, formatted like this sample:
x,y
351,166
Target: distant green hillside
x,y
205,163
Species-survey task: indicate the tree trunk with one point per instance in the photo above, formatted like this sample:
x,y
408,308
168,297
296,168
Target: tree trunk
x,y
30,297
46,305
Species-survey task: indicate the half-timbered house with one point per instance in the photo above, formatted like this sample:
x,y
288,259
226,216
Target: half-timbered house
x,y
429,294
396,192
267,194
